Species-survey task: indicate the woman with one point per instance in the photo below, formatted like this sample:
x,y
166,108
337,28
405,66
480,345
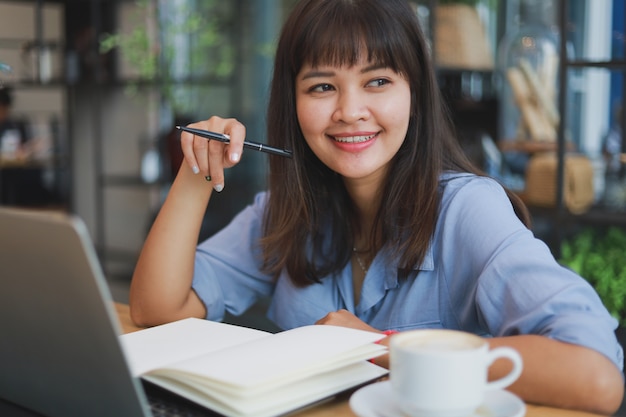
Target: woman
x,y
378,222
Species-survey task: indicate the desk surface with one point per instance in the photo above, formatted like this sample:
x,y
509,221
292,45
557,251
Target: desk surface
x,y
340,407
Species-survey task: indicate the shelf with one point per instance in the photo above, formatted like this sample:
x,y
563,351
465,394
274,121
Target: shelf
x,y
601,216
10,163
139,82
561,221
31,84
159,82
467,85
31,44
613,64
20,43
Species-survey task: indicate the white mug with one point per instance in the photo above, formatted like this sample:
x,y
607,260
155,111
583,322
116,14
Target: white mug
x,y
443,373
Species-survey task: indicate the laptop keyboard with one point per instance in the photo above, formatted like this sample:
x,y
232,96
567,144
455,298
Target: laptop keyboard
x,y
166,404
160,408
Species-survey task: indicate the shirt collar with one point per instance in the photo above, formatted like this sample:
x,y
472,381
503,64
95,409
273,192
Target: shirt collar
x,y
385,266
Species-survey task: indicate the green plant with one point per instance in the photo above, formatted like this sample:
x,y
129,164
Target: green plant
x,y
172,42
598,256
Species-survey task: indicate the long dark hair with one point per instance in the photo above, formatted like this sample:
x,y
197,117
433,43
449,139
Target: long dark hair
x,y
306,198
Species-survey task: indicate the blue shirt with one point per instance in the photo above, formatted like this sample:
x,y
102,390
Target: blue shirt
x,y
484,273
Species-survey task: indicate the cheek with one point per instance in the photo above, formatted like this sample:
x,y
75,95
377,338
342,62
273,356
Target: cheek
x,y
302,115
401,107
309,117
398,113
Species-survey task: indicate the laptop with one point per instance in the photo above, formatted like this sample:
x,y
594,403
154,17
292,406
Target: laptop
x,y
60,354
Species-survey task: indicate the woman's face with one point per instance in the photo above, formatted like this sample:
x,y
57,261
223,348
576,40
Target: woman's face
x,y
353,118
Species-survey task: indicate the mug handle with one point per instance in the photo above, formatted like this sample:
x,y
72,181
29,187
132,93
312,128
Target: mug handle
x,y
514,357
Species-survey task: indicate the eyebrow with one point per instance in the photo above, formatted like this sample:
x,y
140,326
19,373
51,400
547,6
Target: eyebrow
x,y
315,74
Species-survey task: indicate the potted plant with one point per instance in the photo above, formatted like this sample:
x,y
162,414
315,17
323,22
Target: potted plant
x,y
175,45
175,52
598,256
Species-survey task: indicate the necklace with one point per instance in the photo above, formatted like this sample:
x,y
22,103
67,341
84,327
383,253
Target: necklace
x,y
359,260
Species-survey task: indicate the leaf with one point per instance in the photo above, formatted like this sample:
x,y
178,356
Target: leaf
x,y
109,42
202,27
599,258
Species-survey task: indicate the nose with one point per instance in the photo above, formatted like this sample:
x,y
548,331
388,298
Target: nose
x,y
351,107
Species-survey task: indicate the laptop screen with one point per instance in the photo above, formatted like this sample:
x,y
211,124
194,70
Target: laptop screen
x,y
59,348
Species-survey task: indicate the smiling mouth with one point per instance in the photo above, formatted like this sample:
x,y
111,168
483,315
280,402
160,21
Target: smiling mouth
x,y
353,139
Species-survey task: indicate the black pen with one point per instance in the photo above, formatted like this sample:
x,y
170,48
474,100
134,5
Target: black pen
x,y
226,139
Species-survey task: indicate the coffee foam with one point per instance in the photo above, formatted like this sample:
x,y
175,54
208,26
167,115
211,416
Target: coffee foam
x,y
442,342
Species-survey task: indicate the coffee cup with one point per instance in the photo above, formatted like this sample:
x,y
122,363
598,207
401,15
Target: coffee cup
x,y
443,373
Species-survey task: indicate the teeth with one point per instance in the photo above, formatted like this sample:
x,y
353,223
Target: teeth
x,y
354,139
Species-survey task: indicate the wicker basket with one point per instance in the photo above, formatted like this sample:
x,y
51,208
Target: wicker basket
x,y
460,38
541,184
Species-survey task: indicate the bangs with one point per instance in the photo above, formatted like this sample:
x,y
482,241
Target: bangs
x,y
344,30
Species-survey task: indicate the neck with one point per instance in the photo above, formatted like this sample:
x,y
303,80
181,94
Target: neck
x,y
365,194
366,200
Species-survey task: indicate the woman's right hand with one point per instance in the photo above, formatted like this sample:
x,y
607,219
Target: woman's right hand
x,y
161,289
209,157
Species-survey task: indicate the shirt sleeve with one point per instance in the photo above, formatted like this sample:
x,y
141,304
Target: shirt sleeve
x,y
227,266
514,283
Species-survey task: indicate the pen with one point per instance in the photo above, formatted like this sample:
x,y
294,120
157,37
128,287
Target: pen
x,y
226,139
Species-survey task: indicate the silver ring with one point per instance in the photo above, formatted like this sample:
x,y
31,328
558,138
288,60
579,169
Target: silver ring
x,y
208,178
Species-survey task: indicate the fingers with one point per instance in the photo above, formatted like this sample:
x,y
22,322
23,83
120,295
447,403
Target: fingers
x,y
333,317
345,318
209,158
237,133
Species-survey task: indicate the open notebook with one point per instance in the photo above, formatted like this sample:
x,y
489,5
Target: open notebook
x,y
60,350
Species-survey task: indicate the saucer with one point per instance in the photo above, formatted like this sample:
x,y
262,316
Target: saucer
x,y
375,400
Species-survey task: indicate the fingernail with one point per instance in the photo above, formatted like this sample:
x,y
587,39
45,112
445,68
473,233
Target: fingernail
x,y
219,187
234,157
195,169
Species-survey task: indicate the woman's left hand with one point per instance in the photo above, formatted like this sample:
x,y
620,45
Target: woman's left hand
x,y
344,318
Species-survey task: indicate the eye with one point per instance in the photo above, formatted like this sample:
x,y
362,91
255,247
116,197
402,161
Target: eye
x,y
378,82
320,88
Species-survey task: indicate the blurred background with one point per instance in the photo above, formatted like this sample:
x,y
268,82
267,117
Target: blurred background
x,y
90,91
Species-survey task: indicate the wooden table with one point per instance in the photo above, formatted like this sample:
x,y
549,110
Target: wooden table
x,y
340,406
